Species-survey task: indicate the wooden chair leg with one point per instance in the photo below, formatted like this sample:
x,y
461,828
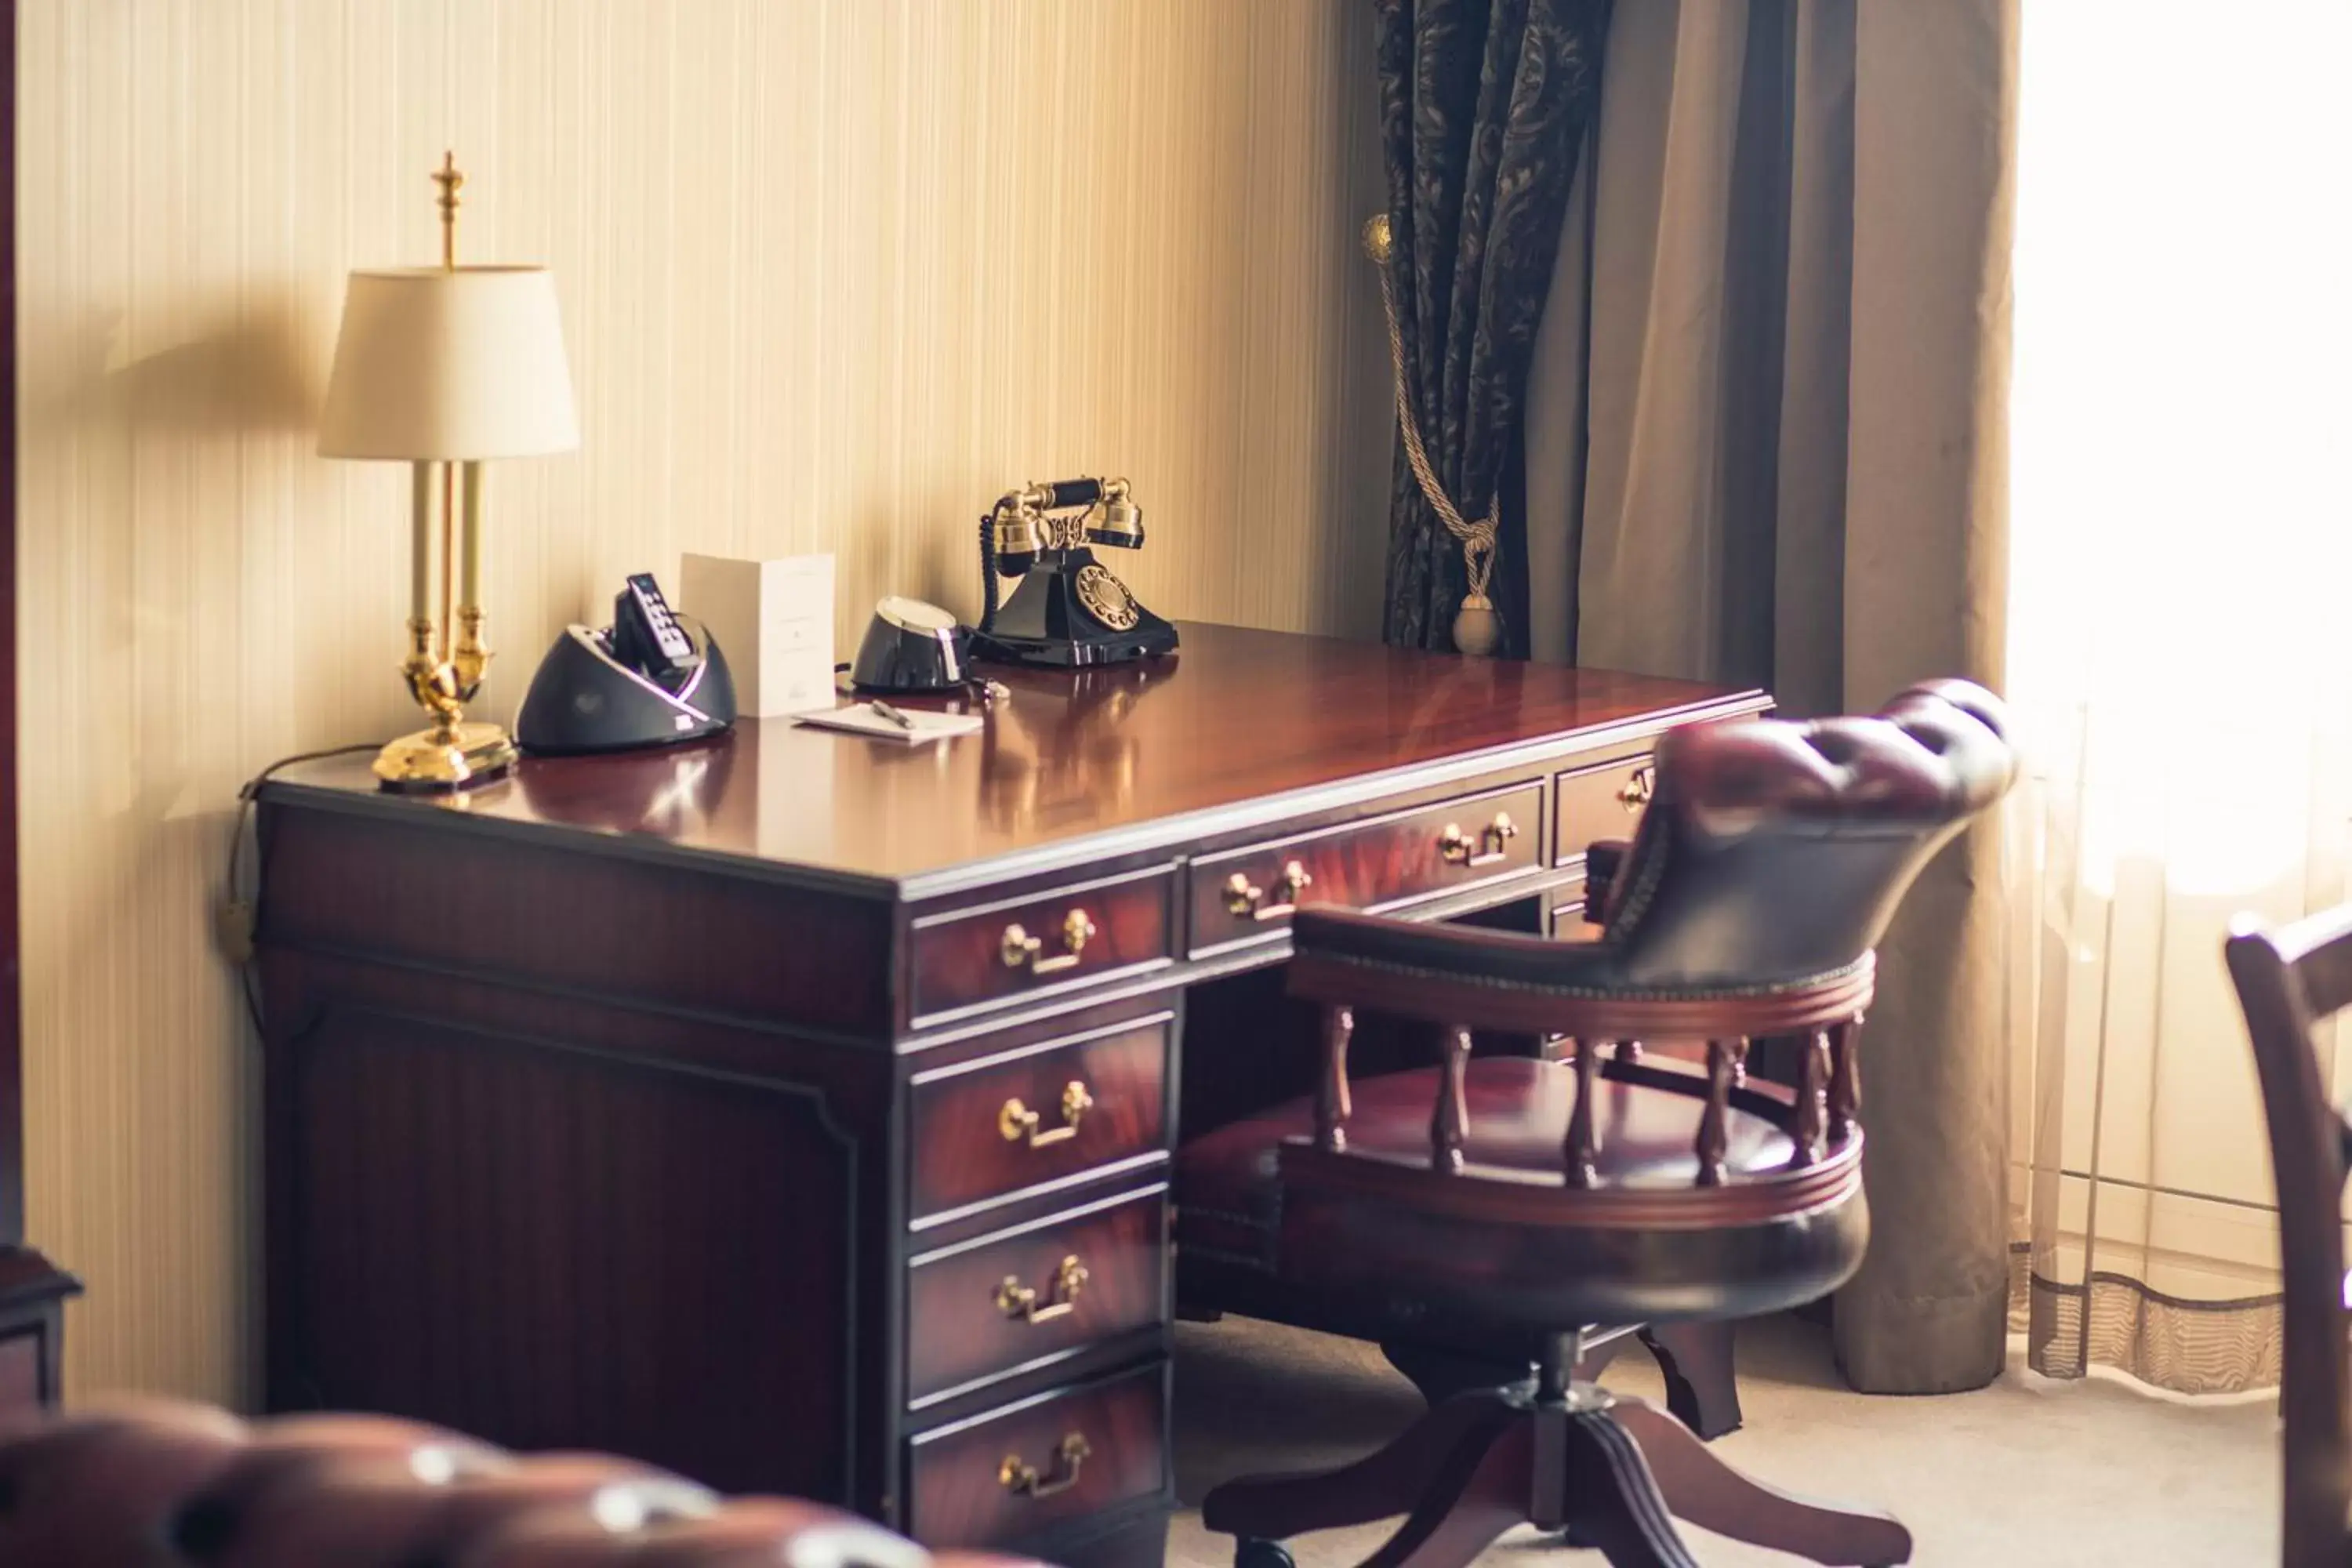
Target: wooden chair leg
x,y
1701,1489
1470,1505
1451,1438
1612,1502
1701,1385
1468,1470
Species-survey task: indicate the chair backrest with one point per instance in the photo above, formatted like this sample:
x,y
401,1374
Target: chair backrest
x,y
1775,851
2289,982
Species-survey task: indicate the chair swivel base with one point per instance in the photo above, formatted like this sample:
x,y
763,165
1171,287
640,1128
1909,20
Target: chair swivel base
x,y
1615,1471
1694,1357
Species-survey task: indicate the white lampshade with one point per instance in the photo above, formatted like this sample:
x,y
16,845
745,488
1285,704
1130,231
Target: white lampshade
x,y
449,365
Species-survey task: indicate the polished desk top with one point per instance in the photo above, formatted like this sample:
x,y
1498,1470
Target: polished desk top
x,y
1239,724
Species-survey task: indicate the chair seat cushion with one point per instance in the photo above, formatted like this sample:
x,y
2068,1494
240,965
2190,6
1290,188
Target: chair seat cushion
x,y
1236,1211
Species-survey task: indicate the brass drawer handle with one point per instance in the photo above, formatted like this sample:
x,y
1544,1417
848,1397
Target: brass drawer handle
x,y
1016,1300
1639,787
1491,846
1246,899
1019,1124
1019,948
1019,1477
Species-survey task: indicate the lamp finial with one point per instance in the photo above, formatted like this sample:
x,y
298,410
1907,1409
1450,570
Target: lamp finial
x,y
448,177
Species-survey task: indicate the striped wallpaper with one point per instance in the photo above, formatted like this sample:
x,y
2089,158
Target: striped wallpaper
x,y
835,273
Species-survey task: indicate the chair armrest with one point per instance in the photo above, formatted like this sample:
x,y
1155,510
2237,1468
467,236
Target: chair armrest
x,y
1469,978
1383,943
1603,859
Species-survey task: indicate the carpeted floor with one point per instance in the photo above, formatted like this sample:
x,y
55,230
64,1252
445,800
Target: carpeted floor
x,y
2025,1473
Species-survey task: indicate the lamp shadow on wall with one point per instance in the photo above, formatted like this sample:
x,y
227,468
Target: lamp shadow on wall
x,y
227,377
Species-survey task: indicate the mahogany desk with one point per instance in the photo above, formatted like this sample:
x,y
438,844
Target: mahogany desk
x,y
796,1111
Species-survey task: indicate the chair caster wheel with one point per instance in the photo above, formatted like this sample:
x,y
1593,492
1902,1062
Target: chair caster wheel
x,y
1250,1551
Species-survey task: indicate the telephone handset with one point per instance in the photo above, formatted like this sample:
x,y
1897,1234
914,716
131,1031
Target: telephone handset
x,y
1069,609
645,633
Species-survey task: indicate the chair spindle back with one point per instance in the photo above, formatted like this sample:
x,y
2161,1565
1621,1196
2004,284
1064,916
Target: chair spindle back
x,y
1770,861
2289,982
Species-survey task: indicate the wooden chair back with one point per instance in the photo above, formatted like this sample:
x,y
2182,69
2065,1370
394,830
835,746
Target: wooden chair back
x,y
2289,982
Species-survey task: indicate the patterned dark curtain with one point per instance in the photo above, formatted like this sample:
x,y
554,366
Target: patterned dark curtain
x,y
1483,106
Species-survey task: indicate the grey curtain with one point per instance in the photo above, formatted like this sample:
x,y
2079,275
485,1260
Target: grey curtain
x,y
1767,444
1483,106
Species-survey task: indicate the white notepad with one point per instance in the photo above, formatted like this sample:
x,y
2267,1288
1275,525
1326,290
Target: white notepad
x,y
859,719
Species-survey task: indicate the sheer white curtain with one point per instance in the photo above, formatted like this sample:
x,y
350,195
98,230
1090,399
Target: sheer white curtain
x,y
2180,654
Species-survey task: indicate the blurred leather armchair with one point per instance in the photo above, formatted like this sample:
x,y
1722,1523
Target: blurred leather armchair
x,y
160,1484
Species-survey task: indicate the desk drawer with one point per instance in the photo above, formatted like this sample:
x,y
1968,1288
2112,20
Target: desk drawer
x,y
1603,801
1011,1473
1011,1301
1002,1123
1366,865
1568,921
970,957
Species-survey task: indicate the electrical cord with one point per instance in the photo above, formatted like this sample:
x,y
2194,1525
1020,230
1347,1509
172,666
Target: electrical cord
x,y
238,913
988,588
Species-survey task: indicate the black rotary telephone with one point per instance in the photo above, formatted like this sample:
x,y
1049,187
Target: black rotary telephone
x,y
1069,610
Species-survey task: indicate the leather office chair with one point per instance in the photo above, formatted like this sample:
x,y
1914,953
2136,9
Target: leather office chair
x,y
1501,1201
2289,982
155,1485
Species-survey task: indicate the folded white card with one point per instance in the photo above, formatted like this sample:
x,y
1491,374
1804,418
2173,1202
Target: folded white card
x,y
862,719
774,619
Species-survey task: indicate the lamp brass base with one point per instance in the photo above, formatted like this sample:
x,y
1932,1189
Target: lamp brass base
x,y
431,761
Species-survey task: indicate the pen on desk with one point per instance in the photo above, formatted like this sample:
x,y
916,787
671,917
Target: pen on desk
x,y
897,716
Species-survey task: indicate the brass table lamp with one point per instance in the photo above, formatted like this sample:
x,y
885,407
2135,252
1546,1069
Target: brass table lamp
x,y
443,367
